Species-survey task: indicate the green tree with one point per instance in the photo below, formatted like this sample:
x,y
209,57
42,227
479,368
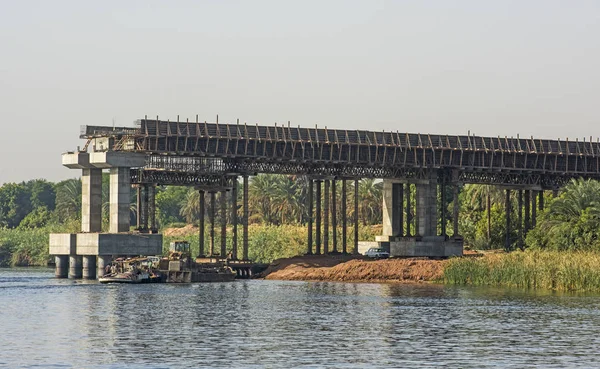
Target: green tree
x,y
68,199
15,204
570,221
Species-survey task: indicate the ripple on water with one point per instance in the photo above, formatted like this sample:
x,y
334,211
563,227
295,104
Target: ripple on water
x,y
255,324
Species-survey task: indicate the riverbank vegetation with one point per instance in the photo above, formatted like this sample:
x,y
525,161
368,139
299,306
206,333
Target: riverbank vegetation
x,y
536,269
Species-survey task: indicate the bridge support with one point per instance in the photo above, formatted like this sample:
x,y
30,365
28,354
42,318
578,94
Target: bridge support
x,y
62,266
102,262
507,210
75,267
310,217
356,185
89,266
246,212
213,200
91,200
427,242
326,219
223,200
334,216
234,220
344,219
318,219
83,248
201,212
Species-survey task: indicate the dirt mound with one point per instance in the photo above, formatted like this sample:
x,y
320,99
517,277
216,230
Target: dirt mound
x,y
349,268
186,230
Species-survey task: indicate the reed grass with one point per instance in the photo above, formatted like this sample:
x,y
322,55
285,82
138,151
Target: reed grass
x,y
535,269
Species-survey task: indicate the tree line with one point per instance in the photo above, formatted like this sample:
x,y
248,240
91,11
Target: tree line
x,y
569,221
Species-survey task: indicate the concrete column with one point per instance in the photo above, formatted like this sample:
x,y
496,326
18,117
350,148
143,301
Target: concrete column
x,y
91,200
520,217
103,261
344,223
326,219
533,208
138,210
310,217
400,206
443,208
356,217
146,206
527,212
62,266
392,208
75,267
408,210
152,208
234,219
213,199
223,223
120,189
246,210
89,266
334,215
426,207
507,213
201,212
318,219
455,210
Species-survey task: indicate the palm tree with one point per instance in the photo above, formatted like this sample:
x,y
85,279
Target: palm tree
x,y
481,197
370,200
68,199
190,206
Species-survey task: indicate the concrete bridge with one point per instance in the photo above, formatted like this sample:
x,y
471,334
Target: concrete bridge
x,y
212,156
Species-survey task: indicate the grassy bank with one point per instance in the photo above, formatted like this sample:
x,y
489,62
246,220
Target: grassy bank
x,y
565,271
24,247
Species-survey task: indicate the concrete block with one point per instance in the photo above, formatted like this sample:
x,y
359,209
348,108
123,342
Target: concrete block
x,y
119,244
62,244
113,159
435,246
363,246
76,160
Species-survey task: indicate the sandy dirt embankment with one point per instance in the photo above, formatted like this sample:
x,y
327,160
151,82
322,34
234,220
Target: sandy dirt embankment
x,y
354,269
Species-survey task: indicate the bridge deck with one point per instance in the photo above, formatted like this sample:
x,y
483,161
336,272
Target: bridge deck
x,y
200,149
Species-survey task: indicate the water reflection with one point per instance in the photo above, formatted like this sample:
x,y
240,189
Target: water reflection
x,y
290,324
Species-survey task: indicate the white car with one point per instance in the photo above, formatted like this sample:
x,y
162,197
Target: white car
x,y
377,253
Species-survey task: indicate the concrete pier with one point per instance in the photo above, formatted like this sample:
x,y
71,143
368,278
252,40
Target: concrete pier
x,y
356,184
309,242
223,201
201,211
334,216
89,252
326,219
426,242
62,266
234,220
246,211
75,267
318,219
89,267
91,200
344,219
101,264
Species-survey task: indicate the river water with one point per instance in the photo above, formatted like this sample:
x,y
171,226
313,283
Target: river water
x,y
50,323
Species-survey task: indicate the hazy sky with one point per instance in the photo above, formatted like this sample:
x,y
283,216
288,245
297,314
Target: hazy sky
x,y
491,67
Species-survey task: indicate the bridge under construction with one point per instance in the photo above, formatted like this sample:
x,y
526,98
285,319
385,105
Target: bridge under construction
x,y
212,157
